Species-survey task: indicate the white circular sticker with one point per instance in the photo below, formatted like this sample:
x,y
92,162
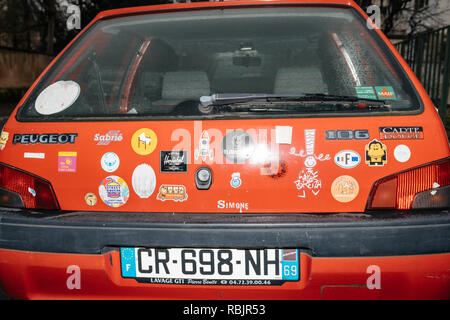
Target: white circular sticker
x,y
144,180
57,97
110,162
402,153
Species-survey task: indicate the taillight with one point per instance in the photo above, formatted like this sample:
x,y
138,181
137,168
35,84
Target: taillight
x,y
24,190
426,186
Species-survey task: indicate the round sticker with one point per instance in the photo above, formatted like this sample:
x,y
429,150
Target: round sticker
x,y
144,180
237,146
90,198
114,191
344,188
402,153
57,97
144,141
110,162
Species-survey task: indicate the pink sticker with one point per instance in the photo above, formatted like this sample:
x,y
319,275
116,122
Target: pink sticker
x,y
67,161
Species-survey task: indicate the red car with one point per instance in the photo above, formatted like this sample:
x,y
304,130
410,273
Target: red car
x,y
226,150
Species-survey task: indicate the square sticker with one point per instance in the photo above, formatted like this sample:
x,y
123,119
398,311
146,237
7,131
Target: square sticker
x,y
386,93
67,161
365,93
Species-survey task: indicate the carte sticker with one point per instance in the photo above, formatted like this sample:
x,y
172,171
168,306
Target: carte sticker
x,y
3,139
376,155
172,192
144,141
114,191
402,153
67,161
90,198
110,162
401,133
386,93
143,180
344,189
57,97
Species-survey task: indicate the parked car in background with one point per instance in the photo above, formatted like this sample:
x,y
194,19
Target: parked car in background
x,y
232,150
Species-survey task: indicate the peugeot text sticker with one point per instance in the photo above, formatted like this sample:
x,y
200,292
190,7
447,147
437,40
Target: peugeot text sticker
x,y
376,155
144,141
344,188
144,180
347,159
67,161
401,133
114,191
308,178
110,162
172,192
46,138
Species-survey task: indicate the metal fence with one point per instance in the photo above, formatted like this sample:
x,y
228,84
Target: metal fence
x,y
428,55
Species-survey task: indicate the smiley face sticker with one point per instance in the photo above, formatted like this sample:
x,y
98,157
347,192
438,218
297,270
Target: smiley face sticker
x,y
144,141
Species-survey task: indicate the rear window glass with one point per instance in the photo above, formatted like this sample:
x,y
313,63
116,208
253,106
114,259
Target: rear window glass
x,y
160,65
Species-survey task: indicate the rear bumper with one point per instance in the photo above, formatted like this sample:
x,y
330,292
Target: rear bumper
x,y
412,252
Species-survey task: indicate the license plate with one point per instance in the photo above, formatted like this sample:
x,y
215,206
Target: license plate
x,y
191,266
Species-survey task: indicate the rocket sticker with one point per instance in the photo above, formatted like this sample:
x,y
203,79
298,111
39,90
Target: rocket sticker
x,y
204,150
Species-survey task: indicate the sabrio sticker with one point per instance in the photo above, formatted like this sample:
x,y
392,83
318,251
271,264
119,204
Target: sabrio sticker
x,y
376,155
144,141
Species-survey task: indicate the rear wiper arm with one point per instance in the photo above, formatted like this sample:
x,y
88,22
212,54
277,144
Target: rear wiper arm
x,y
230,98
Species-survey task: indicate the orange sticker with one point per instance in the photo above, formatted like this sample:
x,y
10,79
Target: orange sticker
x,y
344,189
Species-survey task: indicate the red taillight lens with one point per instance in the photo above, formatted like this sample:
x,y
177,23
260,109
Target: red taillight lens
x,y
34,192
398,191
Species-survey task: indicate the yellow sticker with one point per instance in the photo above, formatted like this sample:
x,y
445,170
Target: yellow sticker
x,y
144,141
90,198
344,188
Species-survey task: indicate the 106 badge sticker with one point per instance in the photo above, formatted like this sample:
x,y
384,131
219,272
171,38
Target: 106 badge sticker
x,y
114,191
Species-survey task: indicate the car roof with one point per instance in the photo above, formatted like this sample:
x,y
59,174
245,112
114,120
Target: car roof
x,y
195,5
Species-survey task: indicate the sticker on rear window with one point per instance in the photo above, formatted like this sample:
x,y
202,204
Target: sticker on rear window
x,y
365,93
57,97
143,180
376,155
113,191
386,93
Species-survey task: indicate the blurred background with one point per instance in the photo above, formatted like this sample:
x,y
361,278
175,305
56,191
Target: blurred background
x,y
33,32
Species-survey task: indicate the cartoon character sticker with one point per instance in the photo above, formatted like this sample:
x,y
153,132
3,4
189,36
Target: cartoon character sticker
x,y
172,192
204,150
308,178
114,191
236,180
144,141
3,139
376,155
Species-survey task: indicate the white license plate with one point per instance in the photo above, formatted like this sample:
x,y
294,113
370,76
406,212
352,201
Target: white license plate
x,y
210,266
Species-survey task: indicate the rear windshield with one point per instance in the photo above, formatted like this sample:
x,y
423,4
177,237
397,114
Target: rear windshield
x,y
291,60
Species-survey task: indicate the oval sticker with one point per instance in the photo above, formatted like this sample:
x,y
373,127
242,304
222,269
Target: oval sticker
x,y
57,97
347,159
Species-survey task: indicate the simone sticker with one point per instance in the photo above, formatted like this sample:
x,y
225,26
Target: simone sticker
x,y
344,189
57,97
114,191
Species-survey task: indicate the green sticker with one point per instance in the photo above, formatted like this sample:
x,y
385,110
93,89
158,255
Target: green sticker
x,y
365,93
386,93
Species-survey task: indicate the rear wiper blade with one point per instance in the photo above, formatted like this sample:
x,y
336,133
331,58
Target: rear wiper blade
x,y
242,98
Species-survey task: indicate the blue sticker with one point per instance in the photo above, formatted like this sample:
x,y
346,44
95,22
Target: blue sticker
x,y
289,264
128,262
